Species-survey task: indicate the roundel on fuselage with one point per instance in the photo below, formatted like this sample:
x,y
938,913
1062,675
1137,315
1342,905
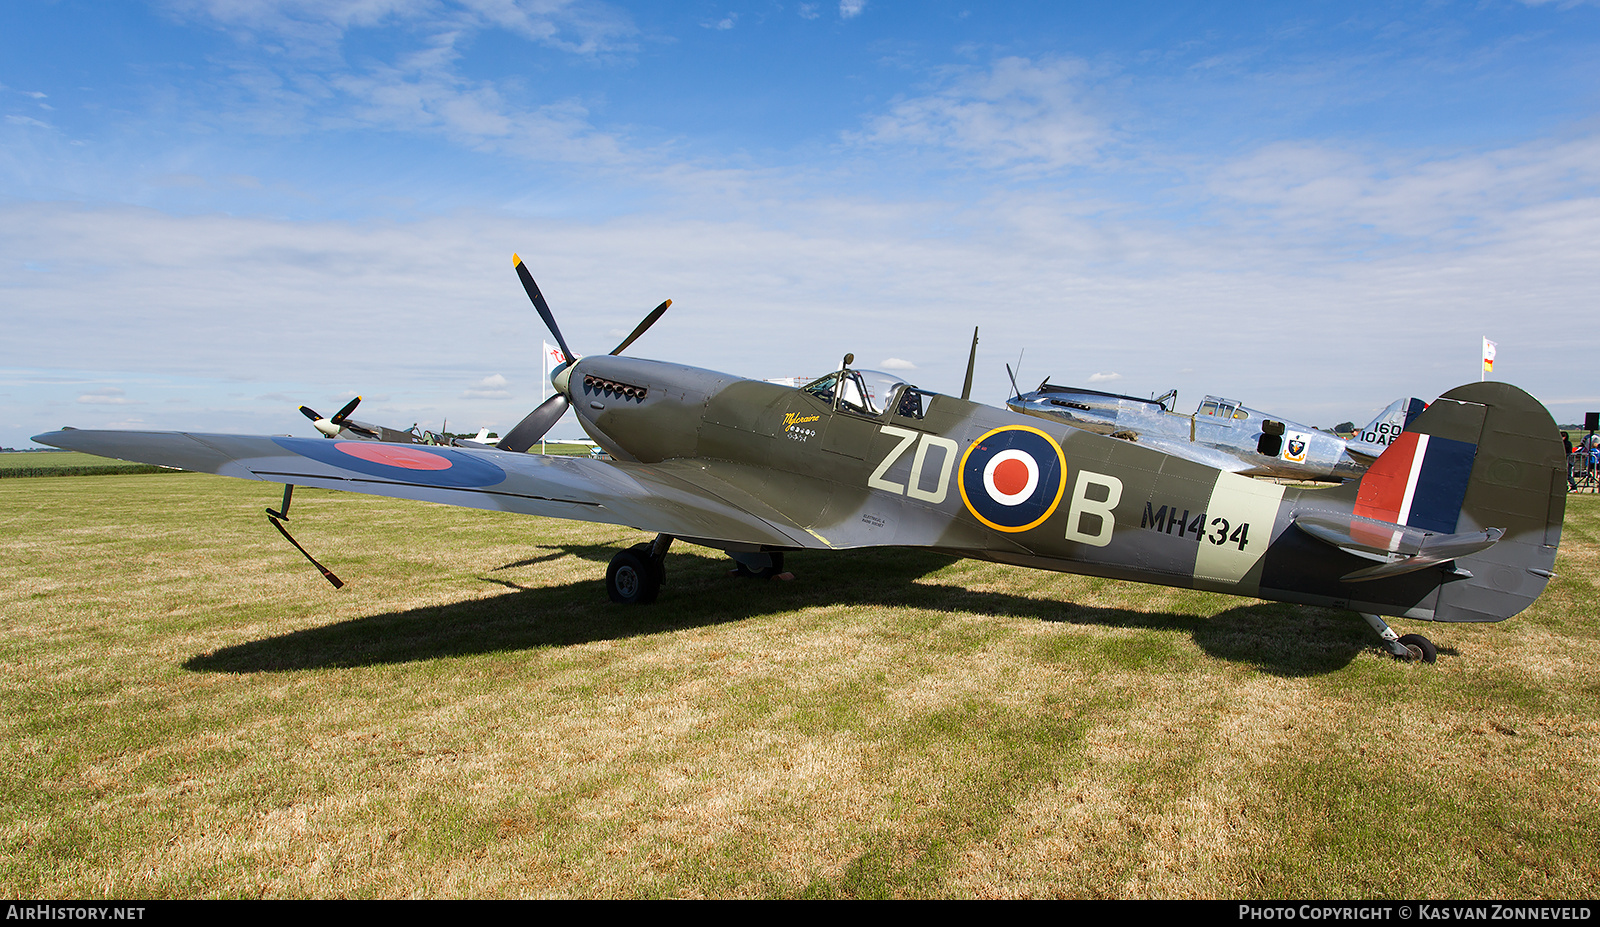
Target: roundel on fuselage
x,y
1012,478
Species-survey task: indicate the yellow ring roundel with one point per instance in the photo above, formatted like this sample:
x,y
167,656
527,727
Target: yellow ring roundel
x,y
1012,478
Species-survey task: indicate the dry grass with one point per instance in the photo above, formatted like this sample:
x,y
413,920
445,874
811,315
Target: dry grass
x,y
192,712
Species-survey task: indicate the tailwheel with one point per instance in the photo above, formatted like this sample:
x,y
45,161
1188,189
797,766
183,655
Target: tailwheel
x,y
1420,648
1413,648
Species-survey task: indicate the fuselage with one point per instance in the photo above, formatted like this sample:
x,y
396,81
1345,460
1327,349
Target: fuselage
x,y
928,470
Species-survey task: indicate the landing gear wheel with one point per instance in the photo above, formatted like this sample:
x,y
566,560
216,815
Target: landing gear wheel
x,y
633,579
1420,647
643,552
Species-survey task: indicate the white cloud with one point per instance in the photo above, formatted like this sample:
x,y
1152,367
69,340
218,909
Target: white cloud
x,y
415,83
1016,114
1104,377
494,386
895,363
850,9
316,27
108,396
1446,198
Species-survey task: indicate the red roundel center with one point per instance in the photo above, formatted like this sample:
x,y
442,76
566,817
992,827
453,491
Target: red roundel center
x,y
1011,476
395,455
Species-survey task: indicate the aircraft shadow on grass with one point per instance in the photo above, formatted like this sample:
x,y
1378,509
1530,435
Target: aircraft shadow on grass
x,y
1280,639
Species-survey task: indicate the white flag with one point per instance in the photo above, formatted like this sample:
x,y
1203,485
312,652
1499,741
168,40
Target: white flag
x,y
553,358
1488,356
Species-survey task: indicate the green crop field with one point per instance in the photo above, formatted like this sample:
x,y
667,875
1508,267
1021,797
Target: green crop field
x,y
191,711
67,463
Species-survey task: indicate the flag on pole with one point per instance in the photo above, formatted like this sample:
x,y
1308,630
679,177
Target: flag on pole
x,y
553,358
1488,356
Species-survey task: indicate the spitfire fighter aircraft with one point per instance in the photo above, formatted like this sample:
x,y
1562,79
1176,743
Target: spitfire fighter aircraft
x,y
1222,433
1458,520
341,425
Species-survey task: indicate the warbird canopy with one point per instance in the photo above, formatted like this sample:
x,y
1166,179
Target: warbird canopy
x,y
1458,520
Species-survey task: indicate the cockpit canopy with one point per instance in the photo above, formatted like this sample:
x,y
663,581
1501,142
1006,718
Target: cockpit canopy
x,y
1223,408
867,392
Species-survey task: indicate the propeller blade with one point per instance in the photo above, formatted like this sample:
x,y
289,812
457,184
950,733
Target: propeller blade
x,y
644,326
1015,391
543,307
532,428
344,413
310,413
972,359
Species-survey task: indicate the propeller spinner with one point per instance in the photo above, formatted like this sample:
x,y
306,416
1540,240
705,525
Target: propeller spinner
x,y
533,427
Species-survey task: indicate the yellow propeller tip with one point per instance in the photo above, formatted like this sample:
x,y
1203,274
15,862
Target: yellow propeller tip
x,y
514,259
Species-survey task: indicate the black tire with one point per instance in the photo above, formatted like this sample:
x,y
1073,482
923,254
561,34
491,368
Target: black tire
x,y
1421,648
643,550
632,579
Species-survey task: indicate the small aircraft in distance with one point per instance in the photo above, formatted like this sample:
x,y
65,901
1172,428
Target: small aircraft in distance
x,y
341,425
1222,433
1458,520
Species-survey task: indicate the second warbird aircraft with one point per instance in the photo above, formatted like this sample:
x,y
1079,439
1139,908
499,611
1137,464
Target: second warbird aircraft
x,y
1458,520
1222,433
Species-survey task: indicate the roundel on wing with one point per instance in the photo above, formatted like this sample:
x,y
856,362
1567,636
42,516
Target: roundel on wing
x,y
1012,478
405,463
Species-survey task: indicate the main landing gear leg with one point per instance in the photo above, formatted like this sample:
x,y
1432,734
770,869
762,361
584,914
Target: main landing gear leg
x,y
637,574
1411,647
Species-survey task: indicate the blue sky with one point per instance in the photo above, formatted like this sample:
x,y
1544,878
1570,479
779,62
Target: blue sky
x,y
214,210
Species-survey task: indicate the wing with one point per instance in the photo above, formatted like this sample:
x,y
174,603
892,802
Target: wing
x,y
637,495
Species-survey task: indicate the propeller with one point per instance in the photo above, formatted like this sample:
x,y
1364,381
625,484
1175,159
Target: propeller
x,y
534,425
330,427
542,306
644,326
1015,389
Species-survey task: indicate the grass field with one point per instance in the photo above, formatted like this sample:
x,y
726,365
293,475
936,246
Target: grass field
x,y
192,712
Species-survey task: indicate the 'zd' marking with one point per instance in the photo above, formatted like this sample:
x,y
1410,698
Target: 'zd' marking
x,y
919,464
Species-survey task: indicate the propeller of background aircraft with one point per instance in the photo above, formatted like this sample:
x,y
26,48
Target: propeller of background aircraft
x,y
533,427
1015,389
330,427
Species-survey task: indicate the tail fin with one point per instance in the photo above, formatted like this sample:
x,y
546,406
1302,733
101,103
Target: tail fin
x,y
1373,439
1484,455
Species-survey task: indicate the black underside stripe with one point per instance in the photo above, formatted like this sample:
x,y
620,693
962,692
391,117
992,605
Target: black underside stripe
x,y
432,486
